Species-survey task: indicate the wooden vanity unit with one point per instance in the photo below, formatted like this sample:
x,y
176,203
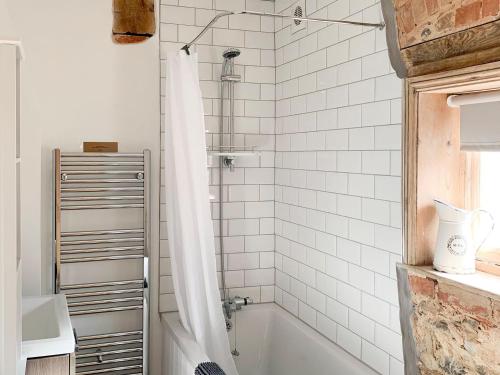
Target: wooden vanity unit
x,y
57,365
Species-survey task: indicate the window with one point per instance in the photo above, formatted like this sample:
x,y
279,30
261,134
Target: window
x,y
436,165
489,199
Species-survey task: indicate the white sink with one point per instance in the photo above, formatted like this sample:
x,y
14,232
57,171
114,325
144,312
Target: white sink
x,y
47,329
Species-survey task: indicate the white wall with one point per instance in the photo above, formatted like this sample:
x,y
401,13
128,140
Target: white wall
x,y
248,195
338,210
78,85
10,266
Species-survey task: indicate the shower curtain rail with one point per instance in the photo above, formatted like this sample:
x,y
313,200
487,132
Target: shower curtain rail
x,y
186,47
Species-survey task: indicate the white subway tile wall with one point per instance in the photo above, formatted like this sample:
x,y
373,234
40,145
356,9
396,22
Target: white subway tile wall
x,y
338,184
248,194
315,223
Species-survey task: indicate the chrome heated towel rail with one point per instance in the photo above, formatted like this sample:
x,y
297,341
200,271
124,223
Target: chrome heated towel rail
x,y
94,184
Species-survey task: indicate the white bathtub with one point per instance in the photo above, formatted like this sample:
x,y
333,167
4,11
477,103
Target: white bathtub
x,y
270,341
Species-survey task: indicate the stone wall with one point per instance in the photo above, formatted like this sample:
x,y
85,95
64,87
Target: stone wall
x,y
422,20
454,330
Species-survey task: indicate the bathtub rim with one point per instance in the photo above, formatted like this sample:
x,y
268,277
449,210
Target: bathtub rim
x,y
314,334
187,343
184,340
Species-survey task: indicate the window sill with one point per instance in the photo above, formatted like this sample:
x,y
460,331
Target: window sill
x,y
489,262
482,283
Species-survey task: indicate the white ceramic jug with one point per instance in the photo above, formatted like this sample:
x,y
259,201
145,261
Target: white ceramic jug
x,y
455,246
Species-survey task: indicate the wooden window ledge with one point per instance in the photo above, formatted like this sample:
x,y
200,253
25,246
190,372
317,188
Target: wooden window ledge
x,y
482,283
489,262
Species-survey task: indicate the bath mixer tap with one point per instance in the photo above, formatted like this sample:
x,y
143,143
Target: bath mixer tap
x,y
235,303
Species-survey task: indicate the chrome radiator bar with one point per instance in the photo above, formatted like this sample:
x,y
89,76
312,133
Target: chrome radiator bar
x,y
111,352
101,163
104,293
108,361
103,206
104,301
102,241
98,172
104,182
100,259
99,355
112,369
102,232
94,155
103,284
100,189
109,335
102,249
114,343
102,198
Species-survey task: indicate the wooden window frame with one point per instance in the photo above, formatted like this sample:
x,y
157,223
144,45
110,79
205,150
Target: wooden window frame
x,y
429,144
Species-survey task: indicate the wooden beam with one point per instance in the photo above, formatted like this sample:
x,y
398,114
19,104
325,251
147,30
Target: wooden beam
x,y
133,20
475,46
432,36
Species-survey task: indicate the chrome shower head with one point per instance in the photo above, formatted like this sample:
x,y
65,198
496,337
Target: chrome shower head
x,y
231,53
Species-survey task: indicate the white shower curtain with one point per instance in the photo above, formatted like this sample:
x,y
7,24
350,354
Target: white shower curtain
x,y
190,229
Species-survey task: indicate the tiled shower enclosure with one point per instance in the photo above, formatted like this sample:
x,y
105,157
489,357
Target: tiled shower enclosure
x,y
314,222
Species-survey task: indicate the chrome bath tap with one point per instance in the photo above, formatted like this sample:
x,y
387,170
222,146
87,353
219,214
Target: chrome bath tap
x,y
231,304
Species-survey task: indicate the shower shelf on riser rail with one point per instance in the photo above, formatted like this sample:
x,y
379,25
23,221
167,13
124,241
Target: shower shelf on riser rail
x,y
236,152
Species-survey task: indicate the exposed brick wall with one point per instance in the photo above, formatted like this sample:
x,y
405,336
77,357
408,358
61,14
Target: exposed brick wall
x,y
422,20
455,331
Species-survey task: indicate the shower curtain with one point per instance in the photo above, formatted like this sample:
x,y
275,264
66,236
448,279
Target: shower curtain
x,y
189,223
